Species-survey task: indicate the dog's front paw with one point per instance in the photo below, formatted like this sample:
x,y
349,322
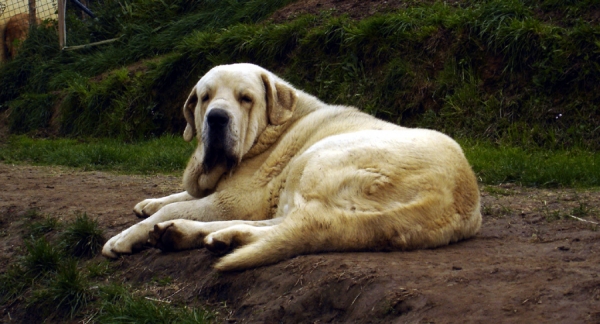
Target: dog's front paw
x,y
130,240
165,237
107,249
176,235
147,207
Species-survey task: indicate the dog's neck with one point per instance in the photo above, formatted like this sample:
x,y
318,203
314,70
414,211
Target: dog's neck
x,y
305,105
266,139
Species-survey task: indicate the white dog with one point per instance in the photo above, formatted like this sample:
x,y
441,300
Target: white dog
x,y
278,173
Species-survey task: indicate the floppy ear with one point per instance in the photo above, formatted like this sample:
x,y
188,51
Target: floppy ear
x,y
188,113
281,100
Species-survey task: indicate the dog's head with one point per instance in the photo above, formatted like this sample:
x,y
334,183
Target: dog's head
x,y
227,110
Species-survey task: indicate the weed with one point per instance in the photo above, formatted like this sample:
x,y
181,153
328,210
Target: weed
x,y
162,281
31,112
32,214
496,211
500,71
66,293
553,215
120,306
582,210
83,237
506,211
497,191
42,257
99,269
486,210
36,229
12,282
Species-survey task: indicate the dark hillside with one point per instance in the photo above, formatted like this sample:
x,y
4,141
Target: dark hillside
x,y
523,73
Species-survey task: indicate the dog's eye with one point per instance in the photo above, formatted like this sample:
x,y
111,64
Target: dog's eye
x,y
246,99
205,97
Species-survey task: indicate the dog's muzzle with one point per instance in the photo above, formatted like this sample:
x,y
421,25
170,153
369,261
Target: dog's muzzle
x,y
217,121
217,142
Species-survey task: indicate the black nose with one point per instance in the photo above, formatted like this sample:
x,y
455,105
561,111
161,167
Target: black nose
x,y
217,118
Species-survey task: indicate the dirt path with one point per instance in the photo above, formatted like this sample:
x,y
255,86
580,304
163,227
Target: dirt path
x,y
530,263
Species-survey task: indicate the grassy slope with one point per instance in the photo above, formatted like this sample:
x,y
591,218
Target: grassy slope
x,y
520,76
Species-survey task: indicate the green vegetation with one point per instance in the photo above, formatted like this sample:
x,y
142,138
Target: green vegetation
x,y
492,163
538,168
54,279
518,73
165,154
581,210
83,237
119,306
37,229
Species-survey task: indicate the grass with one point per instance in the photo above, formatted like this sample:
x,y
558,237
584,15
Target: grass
x,y
536,168
64,293
166,154
493,164
496,191
42,257
120,306
496,211
53,279
83,237
38,228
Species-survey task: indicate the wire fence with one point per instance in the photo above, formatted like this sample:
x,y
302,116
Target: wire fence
x,y
40,9
16,16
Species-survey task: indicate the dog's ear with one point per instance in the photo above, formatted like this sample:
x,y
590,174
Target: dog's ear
x,y
281,100
188,113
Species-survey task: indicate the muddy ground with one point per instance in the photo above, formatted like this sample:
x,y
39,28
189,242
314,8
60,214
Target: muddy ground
x,y
530,262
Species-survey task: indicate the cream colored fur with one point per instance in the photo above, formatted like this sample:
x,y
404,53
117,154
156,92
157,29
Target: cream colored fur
x,y
307,177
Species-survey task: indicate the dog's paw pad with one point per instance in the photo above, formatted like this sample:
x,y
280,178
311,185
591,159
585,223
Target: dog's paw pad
x,y
216,246
155,234
164,237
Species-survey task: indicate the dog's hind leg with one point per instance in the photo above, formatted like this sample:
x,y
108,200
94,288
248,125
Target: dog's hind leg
x,y
223,241
266,249
182,234
254,246
316,227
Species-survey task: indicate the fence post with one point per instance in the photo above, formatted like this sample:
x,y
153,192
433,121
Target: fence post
x,y
32,14
62,31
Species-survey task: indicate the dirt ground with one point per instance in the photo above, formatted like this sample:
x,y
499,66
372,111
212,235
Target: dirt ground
x,y
530,262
